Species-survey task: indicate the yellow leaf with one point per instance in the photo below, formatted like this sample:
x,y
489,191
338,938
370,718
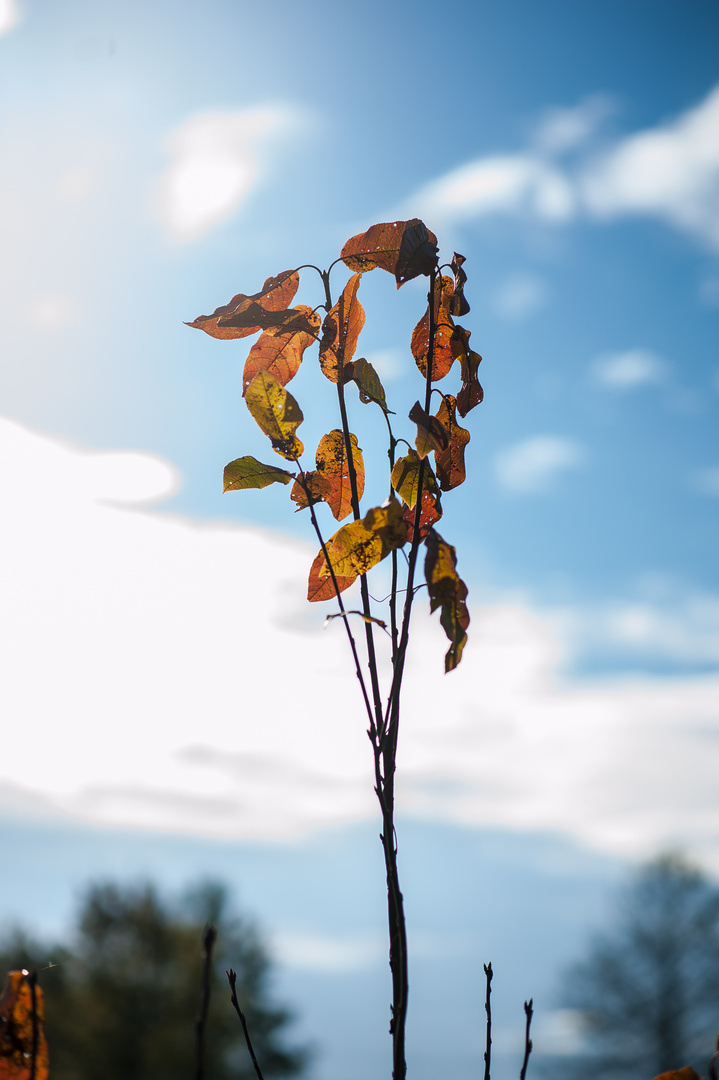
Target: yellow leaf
x,y
277,414
448,592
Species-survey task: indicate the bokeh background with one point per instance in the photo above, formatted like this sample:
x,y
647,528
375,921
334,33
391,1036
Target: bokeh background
x,y
171,706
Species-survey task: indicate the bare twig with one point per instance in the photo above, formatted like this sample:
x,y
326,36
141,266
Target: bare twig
x,y
209,937
488,1009
232,979
529,1012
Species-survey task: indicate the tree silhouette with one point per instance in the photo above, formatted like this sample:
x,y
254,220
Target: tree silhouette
x,y
648,991
122,1000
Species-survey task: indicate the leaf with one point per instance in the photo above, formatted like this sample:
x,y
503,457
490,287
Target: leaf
x,y
471,393
16,1030
687,1073
248,472
403,248
450,461
442,358
431,434
458,305
357,547
448,592
430,515
340,331
363,617
368,383
322,588
277,413
279,349
315,486
249,311
331,482
405,478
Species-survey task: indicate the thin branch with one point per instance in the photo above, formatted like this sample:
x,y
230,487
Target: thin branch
x,y
488,1009
209,937
32,981
232,979
529,1012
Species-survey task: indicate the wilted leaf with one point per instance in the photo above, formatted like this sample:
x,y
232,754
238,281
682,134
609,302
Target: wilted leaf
x,y
248,314
248,472
405,478
430,515
331,482
313,490
279,349
448,592
443,358
277,413
16,1030
404,248
450,461
471,393
357,547
322,588
363,617
458,305
431,434
340,331
368,383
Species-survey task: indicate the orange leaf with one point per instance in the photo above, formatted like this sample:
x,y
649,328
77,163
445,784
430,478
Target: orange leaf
x,y
687,1073
442,358
331,482
340,331
313,490
448,592
431,434
450,461
430,515
322,588
245,315
279,349
16,1030
357,547
471,393
458,305
403,248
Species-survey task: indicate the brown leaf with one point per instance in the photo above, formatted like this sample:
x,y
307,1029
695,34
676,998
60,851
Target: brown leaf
x,y
280,349
430,515
405,478
403,248
16,1030
448,592
471,393
248,472
331,482
431,434
387,522
458,305
340,331
248,314
322,588
450,461
313,490
443,357
277,413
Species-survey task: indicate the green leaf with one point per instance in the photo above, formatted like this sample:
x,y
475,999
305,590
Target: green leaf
x,y
248,472
448,592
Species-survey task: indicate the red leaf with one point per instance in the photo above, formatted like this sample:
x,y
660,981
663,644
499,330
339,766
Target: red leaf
x,y
471,393
458,305
322,588
403,248
449,462
245,315
430,515
443,358
280,349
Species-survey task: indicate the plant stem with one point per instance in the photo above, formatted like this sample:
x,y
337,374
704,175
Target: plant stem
x,y
32,980
232,979
529,1012
488,1009
208,940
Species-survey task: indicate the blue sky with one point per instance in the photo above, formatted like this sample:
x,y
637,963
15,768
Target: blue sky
x,y
157,159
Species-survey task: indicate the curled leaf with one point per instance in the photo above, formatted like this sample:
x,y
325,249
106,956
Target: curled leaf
x,y
403,248
448,592
363,617
471,393
277,413
405,478
431,433
340,331
16,1030
331,481
245,315
280,349
458,305
442,357
450,461
248,472
368,383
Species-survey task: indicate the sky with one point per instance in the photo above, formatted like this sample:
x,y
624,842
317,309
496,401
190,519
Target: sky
x,y
163,675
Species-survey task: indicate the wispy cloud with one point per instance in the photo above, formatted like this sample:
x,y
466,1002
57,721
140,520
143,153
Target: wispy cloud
x,y
628,370
217,160
532,465
519,296
669,172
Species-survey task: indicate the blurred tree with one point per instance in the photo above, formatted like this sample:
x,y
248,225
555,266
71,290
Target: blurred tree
x,y
122,1001
648,991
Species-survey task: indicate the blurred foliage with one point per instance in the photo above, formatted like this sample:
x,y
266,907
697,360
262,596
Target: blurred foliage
x,y
648,989
122,996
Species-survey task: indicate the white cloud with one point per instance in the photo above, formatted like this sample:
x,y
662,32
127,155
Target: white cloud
x,y
312,952
532,465
217,159
9,15
706,481
172,675
519,296
670,172
629,369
